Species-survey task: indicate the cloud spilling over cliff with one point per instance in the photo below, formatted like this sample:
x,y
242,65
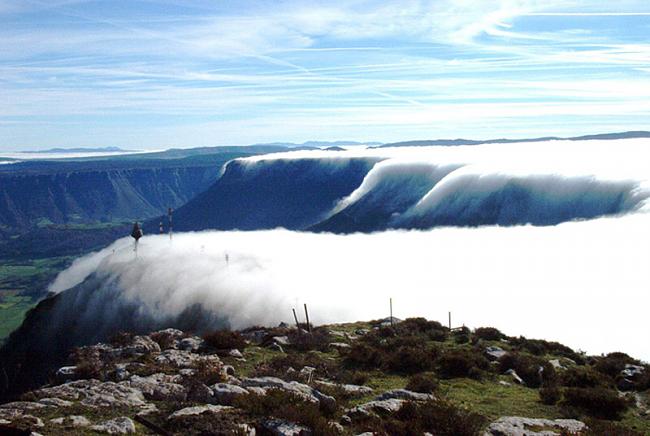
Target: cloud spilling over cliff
x,y
543,183
583,283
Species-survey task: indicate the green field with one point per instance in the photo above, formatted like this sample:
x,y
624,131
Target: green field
x,y
22,285
12,312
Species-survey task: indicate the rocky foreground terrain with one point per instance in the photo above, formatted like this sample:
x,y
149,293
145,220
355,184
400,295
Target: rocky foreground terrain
x,y
408,377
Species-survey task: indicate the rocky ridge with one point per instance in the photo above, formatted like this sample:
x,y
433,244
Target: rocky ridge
x,y
283,381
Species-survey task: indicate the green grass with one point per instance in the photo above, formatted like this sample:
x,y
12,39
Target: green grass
x,y
491,399
22,284
12,313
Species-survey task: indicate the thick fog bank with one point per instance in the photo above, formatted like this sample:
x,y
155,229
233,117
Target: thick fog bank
x,y
365,190
582,283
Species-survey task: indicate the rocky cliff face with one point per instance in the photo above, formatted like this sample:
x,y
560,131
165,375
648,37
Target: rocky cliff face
x,y
112,195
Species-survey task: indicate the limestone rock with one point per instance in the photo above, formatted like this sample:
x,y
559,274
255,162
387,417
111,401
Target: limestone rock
x,y
494,353
404,394
197,410
279,427
225,394
55,402
632,371
160,387
512,373
94,393
121,425
281,340
235,353
190,344
305,391
139,345
23,406
382,407
72,421
184,359
518,426
352,390
66,373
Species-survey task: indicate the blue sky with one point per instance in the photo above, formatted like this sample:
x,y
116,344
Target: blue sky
x,y
184,73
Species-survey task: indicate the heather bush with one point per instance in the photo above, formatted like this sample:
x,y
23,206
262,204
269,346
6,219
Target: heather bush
x,y
436,417
121,339
488,334
534,371
596,402
288,406
584,377
319,339
424,382
461,335
613,363
541,347
461,363
550,395
224,340
432,330
384,349
164,339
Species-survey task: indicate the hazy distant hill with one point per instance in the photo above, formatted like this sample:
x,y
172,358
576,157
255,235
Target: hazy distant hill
x,y
460,141
80,150
107,189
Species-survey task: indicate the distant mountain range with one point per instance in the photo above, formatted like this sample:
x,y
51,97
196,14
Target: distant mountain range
x,y
320,144
461,141
81,150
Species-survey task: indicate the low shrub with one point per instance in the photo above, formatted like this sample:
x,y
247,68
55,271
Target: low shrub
x,y
461,335
613,363
89,364
550,395
288,406
383,349
217,424
319,339
598,427
541,347
461,363
121,339
534,371
584,377
596,402
224,340
425,382
164,339
278,366
488,334
351,377
432,330
410,360
361,355
436,416
208,372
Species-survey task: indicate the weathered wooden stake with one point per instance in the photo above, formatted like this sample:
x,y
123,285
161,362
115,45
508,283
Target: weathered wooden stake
x,y
296,318
449,320
307,317
391,312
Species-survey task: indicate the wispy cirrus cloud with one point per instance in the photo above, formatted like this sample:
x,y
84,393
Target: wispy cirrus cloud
x,y
519,66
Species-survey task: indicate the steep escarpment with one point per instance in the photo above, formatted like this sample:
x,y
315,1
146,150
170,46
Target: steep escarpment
x,y
423,188
264,194
112,195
